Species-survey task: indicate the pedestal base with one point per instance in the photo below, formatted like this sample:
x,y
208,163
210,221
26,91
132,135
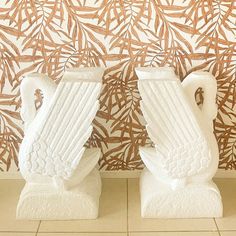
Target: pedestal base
x,y
196,200
45,202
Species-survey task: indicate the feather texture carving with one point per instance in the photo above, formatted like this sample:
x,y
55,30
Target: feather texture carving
x,y
55,139
62,181
180,168
51,36
176,124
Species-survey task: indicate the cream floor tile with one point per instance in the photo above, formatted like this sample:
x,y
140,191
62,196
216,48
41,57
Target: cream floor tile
x,y
16,234
136,223
228,192
9,195
81,234
175,234
228,233
112,217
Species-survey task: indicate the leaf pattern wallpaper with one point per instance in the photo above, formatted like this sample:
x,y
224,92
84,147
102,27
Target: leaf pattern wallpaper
x,y
51,35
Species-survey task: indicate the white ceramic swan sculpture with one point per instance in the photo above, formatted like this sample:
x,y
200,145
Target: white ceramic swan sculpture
x,y
61,179
178,180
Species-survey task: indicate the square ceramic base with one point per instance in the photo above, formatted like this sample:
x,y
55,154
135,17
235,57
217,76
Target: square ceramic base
x,y
196,200
45,202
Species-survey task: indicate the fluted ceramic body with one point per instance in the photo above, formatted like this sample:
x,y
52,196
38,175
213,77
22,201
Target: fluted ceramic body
x,y
55,136
62,181
185,150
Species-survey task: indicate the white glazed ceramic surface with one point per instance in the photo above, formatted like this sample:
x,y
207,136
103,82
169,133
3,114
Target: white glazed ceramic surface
x,y
53,159
185,157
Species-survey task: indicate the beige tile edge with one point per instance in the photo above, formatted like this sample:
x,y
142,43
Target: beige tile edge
x,y
122,174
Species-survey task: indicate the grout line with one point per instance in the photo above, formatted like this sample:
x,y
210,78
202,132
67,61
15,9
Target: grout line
x,y
38,228
116,232
220,174
78,232
17,231
127,205
227,230
217,227
176,231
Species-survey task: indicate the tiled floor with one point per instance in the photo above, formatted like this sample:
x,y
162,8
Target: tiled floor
x,y
119,215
